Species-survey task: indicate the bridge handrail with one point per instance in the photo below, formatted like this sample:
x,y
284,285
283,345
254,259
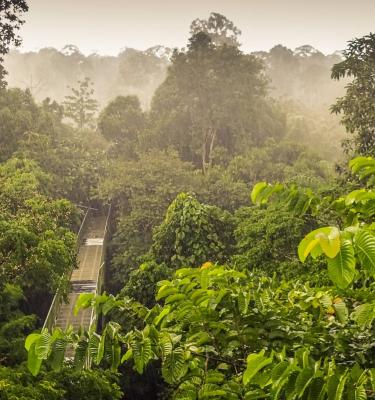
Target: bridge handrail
x,y
99,283
100,276
58,297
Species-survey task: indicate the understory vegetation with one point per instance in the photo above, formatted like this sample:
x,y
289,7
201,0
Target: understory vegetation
x,y
241,257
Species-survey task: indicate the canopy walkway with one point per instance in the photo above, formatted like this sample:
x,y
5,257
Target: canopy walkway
x,y
87,278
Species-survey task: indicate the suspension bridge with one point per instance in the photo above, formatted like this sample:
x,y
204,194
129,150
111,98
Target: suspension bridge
x,y
88,277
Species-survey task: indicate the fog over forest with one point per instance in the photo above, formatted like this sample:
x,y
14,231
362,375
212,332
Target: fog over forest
x,y
299,78
303,74
187,223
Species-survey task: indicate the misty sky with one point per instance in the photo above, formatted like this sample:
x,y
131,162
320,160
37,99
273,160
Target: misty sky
x,y
106,26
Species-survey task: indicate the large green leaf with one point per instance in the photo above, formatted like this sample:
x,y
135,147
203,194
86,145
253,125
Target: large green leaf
x,y
116,355
101,348
80,353
330,243
255,362
365,248
257,189
341,387
32,338
165,311
43,345
84,301
304,378
280,376
336,385
165,344
174,366
341,310
360,393
262,191
57,353
94,342
360,195
332,384
316,389
364,314
363,166
142,353
209,390
290,387
341,269
127,356
312,241
243,300
33,361
165,291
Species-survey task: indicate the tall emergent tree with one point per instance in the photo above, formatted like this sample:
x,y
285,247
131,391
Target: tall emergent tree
x,y
219,28
80,106
358,105
213,97
10,21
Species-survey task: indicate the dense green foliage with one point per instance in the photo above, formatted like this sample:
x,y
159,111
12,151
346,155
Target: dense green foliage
x,y
211,291
357,106
37,245
64,385
276,232
192,233
121,122
226,334
11,13
19,114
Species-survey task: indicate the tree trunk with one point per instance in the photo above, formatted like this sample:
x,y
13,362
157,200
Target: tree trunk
x,y
213,137
207,148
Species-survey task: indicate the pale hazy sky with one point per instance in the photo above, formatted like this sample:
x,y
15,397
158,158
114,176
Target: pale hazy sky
x,y
106,26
